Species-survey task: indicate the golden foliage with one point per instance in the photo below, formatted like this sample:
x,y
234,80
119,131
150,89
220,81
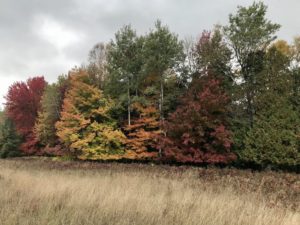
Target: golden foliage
x,y
86,127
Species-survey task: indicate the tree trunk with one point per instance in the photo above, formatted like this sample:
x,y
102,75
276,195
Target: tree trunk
x,y
161,116
249,94
250,108
129,103
161,100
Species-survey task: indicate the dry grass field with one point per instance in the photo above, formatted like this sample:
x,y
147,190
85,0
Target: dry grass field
x,y
40,192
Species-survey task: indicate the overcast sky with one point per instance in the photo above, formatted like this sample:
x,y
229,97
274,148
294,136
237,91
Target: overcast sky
x,y
50,37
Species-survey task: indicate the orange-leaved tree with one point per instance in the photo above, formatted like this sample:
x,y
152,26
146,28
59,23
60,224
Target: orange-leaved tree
x,y
143,132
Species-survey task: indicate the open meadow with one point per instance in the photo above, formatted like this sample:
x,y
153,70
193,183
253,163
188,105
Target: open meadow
x,y
41,191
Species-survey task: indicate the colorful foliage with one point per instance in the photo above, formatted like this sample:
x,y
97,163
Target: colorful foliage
x,y
143,133
236,90
23,104
51,104
86,127
197,131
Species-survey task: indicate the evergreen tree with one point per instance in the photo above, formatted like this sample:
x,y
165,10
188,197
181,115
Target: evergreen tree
x,y
274,138
9,139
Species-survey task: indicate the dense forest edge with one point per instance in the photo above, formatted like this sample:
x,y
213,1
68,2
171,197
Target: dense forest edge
x,y
229,98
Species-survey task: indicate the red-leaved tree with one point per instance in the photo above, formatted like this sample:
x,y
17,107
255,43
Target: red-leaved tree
x,y
22,104
197,132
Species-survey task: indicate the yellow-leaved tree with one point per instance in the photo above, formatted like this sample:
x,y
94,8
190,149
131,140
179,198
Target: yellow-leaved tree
x,y
86,127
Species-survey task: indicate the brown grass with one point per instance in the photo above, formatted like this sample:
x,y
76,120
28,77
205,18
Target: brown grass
x,y
36,192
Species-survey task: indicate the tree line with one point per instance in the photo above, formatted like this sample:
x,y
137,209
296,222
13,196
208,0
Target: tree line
x,y
232,96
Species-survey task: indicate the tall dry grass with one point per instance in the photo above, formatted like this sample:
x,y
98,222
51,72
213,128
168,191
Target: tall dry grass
x,y
32,196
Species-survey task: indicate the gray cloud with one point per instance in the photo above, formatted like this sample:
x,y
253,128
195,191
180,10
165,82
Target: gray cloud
x,y
50,37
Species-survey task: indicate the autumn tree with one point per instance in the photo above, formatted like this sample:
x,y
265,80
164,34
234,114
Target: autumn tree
x,y
197,131
143,132
51,105
23,104
86,127
283,47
